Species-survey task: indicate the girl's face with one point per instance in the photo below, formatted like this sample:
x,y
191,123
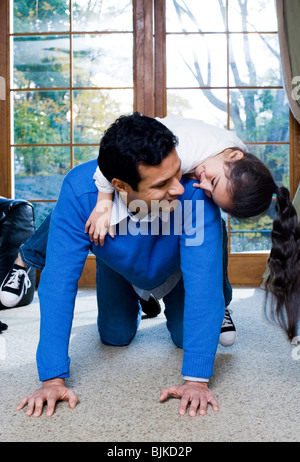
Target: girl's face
x,y
212,177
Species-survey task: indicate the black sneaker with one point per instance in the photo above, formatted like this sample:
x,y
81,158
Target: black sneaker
x,y
151,308
3,326
14,286
228,331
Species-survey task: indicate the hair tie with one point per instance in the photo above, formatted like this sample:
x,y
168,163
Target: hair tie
x,y
275,193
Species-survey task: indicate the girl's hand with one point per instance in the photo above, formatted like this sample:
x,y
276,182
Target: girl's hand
x,y
197,185
192,176
98,223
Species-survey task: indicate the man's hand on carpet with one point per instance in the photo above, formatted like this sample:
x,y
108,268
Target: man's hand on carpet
x,y
195,393
52,391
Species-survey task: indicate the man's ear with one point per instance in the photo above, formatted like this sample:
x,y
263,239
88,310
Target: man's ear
x,y
234,156
120,185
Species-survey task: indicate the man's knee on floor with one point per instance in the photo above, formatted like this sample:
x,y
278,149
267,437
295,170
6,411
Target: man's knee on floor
x,y
117,340
177,338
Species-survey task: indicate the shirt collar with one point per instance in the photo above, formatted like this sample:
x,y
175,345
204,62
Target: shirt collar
x,y
120,212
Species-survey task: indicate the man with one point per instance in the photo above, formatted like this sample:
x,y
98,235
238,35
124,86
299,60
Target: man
x,y
178,255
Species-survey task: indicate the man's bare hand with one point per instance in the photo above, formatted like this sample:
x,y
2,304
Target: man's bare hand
x,y
52,391
195,393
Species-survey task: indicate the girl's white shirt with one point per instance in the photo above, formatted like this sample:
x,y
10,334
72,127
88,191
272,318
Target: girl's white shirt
x,y
196,142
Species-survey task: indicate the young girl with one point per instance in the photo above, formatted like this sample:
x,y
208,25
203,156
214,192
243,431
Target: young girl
x,y
243,187
197,142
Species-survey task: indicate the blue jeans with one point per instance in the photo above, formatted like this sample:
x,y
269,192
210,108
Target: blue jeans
x,y
33,251
227,289
119,313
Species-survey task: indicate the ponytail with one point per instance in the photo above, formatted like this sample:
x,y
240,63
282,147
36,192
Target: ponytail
x,y
284,263
251,187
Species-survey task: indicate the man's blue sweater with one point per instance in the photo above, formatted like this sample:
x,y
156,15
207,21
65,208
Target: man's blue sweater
x,y
146,261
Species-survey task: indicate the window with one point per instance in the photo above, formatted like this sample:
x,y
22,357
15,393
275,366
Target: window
x,y
71,76
223,66
71,67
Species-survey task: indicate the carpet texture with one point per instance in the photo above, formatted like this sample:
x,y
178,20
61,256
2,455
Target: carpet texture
x,y
256,382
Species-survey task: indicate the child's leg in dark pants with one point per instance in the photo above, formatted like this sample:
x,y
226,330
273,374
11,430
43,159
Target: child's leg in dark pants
x,y
228,331
33,251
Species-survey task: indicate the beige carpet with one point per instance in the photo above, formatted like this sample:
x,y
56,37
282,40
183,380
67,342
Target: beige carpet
x,y
256,382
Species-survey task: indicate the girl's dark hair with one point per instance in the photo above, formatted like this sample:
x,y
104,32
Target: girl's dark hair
x,y
251,186
131,141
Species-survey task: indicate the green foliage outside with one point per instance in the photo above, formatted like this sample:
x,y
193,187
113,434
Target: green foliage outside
x,y
42,110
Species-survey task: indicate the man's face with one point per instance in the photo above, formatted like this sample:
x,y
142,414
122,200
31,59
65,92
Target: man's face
x,y
158,182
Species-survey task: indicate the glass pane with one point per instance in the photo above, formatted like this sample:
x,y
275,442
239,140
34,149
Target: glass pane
x,y
101,15
195,15
259,115
196,60
255,234
261,66
39,171
252,236
41,211
41,16
41,117
276,158
85,153
254,15
41,62
207,105
94,111
103,60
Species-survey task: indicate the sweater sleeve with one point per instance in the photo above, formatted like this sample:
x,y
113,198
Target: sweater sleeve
x,y
202,269
67,249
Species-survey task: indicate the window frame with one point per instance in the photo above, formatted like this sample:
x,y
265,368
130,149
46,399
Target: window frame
x,y
149,81
237,262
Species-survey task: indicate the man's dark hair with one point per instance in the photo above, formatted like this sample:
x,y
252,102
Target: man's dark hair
x,y
131,141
